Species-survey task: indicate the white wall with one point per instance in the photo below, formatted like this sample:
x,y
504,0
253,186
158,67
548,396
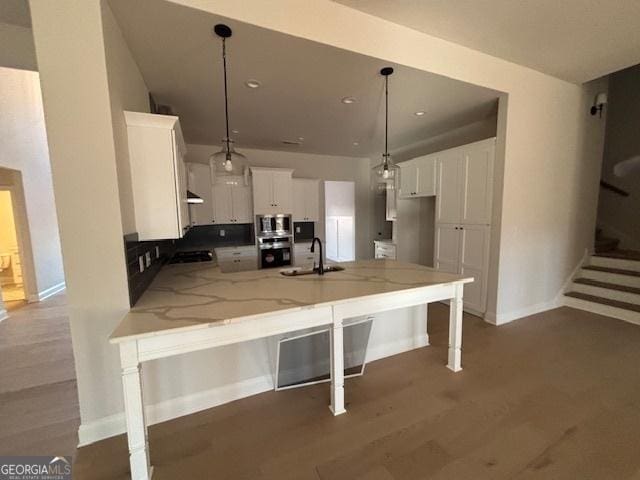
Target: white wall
x,y
324,167
70,47
620,216
551,160
127,92
23,149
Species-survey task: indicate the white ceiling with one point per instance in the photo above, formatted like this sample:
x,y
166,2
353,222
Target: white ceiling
x,y
576,40
15,12
302,86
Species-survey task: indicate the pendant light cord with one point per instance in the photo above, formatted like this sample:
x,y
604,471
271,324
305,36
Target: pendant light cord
x,y
226,95
386,117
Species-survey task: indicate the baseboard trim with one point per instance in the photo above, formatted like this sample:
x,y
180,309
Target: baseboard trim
x,y
504,318
49,292
3,314
112,425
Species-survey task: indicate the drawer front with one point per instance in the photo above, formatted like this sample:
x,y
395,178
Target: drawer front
x,y
389,253
236,252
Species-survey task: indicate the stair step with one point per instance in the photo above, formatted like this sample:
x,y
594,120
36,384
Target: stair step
x,y
605,244
610,286
617,271
612,260
605,301
584,302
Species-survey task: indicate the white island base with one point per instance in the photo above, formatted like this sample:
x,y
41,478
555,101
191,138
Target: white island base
x,y
376,286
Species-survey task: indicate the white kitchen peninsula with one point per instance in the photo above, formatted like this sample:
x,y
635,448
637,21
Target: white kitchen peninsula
x,y
192,307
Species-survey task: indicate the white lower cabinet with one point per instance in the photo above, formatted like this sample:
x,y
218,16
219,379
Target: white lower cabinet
x,y
385,249
237,259
464,249
302,256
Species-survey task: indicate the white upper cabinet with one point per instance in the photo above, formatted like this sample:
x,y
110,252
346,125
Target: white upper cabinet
x,y
272,190
418,177
306,200
464,184
158,175
231,201
199,182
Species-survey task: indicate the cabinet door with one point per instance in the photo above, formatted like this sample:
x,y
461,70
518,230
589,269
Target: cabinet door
x,y
184,219
477,184
448,202
447,248
392,208
199,182
299,200
312,201
222,210
408,179
282,190
262,193
474,263
241,204
426,176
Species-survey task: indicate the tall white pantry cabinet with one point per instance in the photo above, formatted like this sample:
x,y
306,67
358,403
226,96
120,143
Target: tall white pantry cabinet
x,y
464,192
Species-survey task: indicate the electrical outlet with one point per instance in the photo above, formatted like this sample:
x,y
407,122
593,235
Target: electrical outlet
x,y
222,233
147,259
157,251
298,229
141,263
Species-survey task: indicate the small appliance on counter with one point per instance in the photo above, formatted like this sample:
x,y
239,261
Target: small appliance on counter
x,y
192,257
274,239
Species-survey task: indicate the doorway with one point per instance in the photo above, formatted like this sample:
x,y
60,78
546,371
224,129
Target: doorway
x,y
340,221
11,275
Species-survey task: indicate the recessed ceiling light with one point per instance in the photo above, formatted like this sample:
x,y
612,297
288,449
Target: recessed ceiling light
x,y
419,114
301,139
235,131
252,83
348,100
355,144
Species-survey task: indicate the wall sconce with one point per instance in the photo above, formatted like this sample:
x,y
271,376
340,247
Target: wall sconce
x,y
598,103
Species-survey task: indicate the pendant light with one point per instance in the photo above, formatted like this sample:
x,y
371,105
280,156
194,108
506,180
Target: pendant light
x,y
386,169
227,161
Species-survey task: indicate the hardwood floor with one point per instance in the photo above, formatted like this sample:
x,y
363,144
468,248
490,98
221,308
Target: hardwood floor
x,y
553,396
38,397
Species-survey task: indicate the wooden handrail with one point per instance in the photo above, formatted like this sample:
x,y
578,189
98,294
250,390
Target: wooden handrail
x,y
613,188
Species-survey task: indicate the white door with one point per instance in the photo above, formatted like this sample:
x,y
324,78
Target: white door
x,y
331,234
447,248
262,193
241,204
199,181
448,202
474,263
222,212
408,179
426,176
477,182
299,200
346,244
282,190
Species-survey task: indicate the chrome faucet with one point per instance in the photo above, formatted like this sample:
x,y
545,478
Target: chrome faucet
x,y
321,264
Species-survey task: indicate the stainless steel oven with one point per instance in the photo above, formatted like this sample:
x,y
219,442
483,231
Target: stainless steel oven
x,y
274,251
269,225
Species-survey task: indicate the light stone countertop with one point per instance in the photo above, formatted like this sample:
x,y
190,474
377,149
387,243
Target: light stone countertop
x,y
199,295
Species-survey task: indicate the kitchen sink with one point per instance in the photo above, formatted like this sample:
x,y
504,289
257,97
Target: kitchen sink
x,y
295,272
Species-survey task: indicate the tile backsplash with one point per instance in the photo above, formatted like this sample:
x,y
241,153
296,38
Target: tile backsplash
x,y
144,260
208,237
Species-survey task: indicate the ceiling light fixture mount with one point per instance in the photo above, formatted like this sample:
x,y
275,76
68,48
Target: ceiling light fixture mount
x,y
252,84
227,161
386,169
420,113
348,100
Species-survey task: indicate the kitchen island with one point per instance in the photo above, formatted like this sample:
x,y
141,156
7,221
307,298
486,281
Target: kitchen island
x,y
191,307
